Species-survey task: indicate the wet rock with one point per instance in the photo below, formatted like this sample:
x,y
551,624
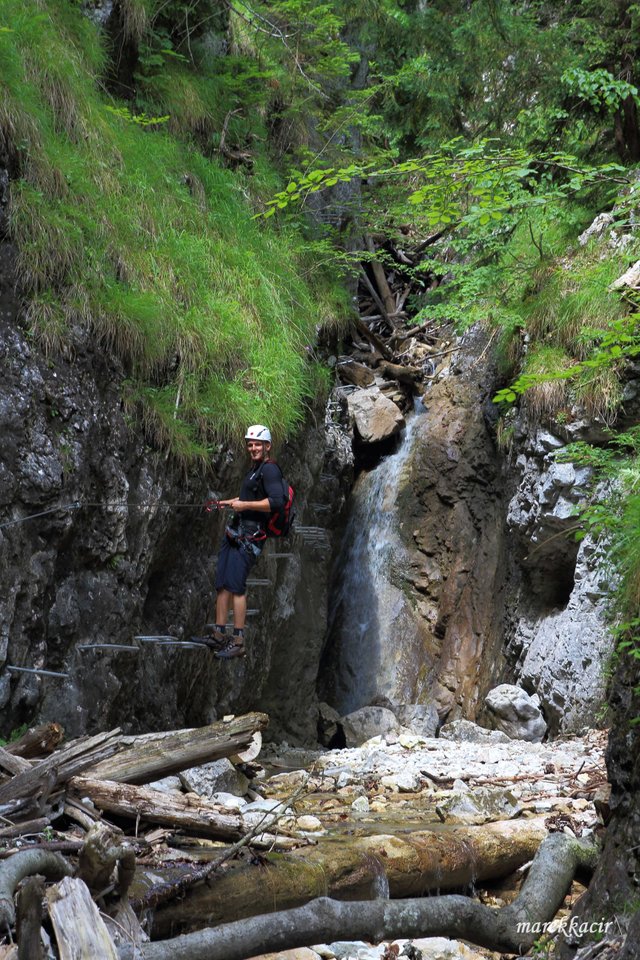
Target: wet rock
x,y
366,723
466,730
309,824
481,805
375,417
360,805
516,713
215,777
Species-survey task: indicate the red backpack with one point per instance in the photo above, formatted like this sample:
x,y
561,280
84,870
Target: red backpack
x,y
280,521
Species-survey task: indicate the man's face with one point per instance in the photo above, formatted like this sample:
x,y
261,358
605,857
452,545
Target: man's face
x,y
257,450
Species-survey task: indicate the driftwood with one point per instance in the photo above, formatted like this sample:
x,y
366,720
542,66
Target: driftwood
x,y
151,757
25,864
29,919
186,811
59,767
104,847
79,928
395,371
37,741
324,920
12,763
355,867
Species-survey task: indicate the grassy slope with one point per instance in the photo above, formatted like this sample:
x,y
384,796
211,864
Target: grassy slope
x,y
133,231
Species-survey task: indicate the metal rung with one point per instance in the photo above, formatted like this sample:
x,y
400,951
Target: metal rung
x,y
278,556
108,646
174,642
155,636
258,583
42,673
249,613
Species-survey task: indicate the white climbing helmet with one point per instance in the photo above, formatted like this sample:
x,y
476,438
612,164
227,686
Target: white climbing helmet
x,y
258,432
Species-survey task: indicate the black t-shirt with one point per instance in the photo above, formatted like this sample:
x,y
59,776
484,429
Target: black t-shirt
x,y
264,480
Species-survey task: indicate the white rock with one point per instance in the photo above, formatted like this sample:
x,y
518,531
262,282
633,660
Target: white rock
x,y
360,805
515,713
376,418
309,823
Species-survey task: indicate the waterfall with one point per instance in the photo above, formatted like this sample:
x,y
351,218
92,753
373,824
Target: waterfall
x,y
374,632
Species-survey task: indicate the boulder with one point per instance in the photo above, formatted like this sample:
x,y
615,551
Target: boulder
x,y
515,713
218,776
368,722
480,805
471,732
376,418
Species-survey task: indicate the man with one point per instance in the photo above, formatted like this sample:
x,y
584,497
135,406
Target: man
x,y
261,493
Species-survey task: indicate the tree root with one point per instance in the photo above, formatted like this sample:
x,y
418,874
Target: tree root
x,y
324,919
53,866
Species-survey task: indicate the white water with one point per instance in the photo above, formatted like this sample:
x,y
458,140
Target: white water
x,y
373,628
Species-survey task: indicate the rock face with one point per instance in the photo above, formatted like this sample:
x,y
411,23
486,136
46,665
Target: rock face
x,y
417,615
558,642
122,546
515,713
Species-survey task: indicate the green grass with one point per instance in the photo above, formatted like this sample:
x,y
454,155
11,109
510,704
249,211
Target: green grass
x,y
137,234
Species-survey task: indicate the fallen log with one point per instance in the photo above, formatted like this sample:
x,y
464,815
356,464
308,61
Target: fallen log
x,y
356,866
59,767
12,763
395,371
182,811
153,756
509,929
37,741
79,928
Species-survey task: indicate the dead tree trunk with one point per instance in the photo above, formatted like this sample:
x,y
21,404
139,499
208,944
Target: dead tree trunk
x,y
411,864
508,929
143,759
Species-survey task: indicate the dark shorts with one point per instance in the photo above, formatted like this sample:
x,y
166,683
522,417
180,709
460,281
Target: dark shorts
x,y
234,564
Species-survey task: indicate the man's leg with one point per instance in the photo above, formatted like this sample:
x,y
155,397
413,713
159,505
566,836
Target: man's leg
x,y
239,610
223,605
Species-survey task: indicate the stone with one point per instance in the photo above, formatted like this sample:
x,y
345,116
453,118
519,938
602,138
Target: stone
x,y
515,713
328,724
343,950
167,785
470,732
630,279
600,225
480,805
366,723
440,948
210,778
309,824
405,781
375,417
420,718
360,805
228,800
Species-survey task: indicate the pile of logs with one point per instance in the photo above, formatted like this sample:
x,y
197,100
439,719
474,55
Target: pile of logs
x,y
54,801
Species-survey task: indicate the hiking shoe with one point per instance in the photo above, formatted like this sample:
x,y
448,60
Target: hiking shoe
x,y
215,641
234,647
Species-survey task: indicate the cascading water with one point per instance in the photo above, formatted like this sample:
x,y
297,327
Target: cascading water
x,y
375,636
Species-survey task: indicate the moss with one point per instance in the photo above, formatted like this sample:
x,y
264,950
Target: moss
x,y
133,231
